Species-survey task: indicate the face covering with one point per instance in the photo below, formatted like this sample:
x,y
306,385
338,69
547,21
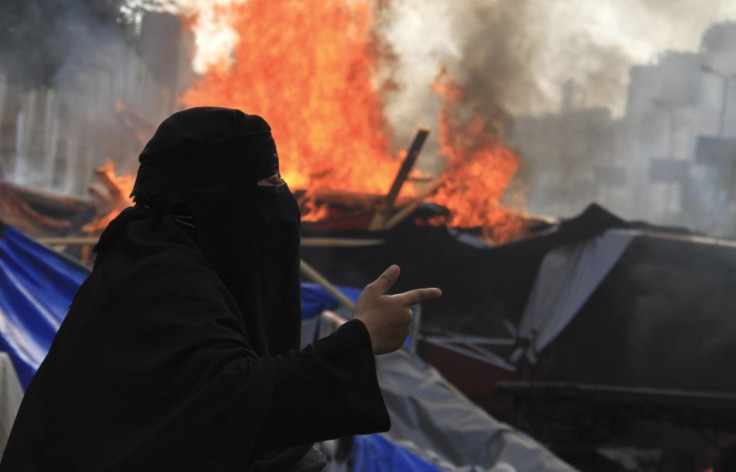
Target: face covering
x,y
208,161
252,241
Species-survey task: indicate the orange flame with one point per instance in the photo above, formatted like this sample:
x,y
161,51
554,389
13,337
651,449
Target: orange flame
x,y
306,66
479,170
112,198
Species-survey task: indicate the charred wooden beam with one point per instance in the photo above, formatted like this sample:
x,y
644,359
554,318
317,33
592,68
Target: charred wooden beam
x,y
386,206
408,209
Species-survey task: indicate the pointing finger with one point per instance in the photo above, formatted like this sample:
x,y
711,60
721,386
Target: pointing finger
x,y
412,297
384,281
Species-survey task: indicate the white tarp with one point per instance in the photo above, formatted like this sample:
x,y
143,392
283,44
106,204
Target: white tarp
x,y
11,394
566,279
430,418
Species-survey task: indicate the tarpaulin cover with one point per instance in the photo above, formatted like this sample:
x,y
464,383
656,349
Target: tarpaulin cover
x,y
374,453
36,288
11,395
434,427
430,418
315,299
567,277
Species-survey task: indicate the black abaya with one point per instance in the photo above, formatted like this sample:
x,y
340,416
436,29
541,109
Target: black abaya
x,y
153,370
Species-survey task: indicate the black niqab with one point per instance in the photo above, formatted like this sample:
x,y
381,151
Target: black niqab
x,y
210,159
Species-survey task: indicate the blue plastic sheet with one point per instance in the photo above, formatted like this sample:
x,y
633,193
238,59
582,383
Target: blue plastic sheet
x,y
375,453
315,299
36,288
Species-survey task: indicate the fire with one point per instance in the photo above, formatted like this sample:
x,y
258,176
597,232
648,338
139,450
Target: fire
x,y
479,170
307,67
112,198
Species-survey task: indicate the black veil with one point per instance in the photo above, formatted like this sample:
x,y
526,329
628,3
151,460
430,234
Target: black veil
x,y
204,163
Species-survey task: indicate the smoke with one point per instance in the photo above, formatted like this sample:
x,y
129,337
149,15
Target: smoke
x,y
68,64
518,61
50,52
215,38
516,55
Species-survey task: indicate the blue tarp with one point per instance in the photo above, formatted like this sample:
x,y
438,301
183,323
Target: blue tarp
x,y
374,453
36,288
315,299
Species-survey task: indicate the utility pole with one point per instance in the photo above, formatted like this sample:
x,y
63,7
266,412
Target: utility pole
x,y
724,94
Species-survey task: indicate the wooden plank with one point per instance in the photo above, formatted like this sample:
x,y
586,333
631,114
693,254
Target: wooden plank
x,y
386,207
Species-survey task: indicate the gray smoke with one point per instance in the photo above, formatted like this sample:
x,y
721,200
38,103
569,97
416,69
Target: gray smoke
x,y
554,79
69,69
518,54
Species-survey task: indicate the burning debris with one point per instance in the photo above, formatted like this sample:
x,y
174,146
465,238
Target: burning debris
x,y
324,79
39,213
327,209
318,88
111,196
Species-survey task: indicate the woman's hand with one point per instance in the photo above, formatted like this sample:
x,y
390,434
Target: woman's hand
x,y
388,317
